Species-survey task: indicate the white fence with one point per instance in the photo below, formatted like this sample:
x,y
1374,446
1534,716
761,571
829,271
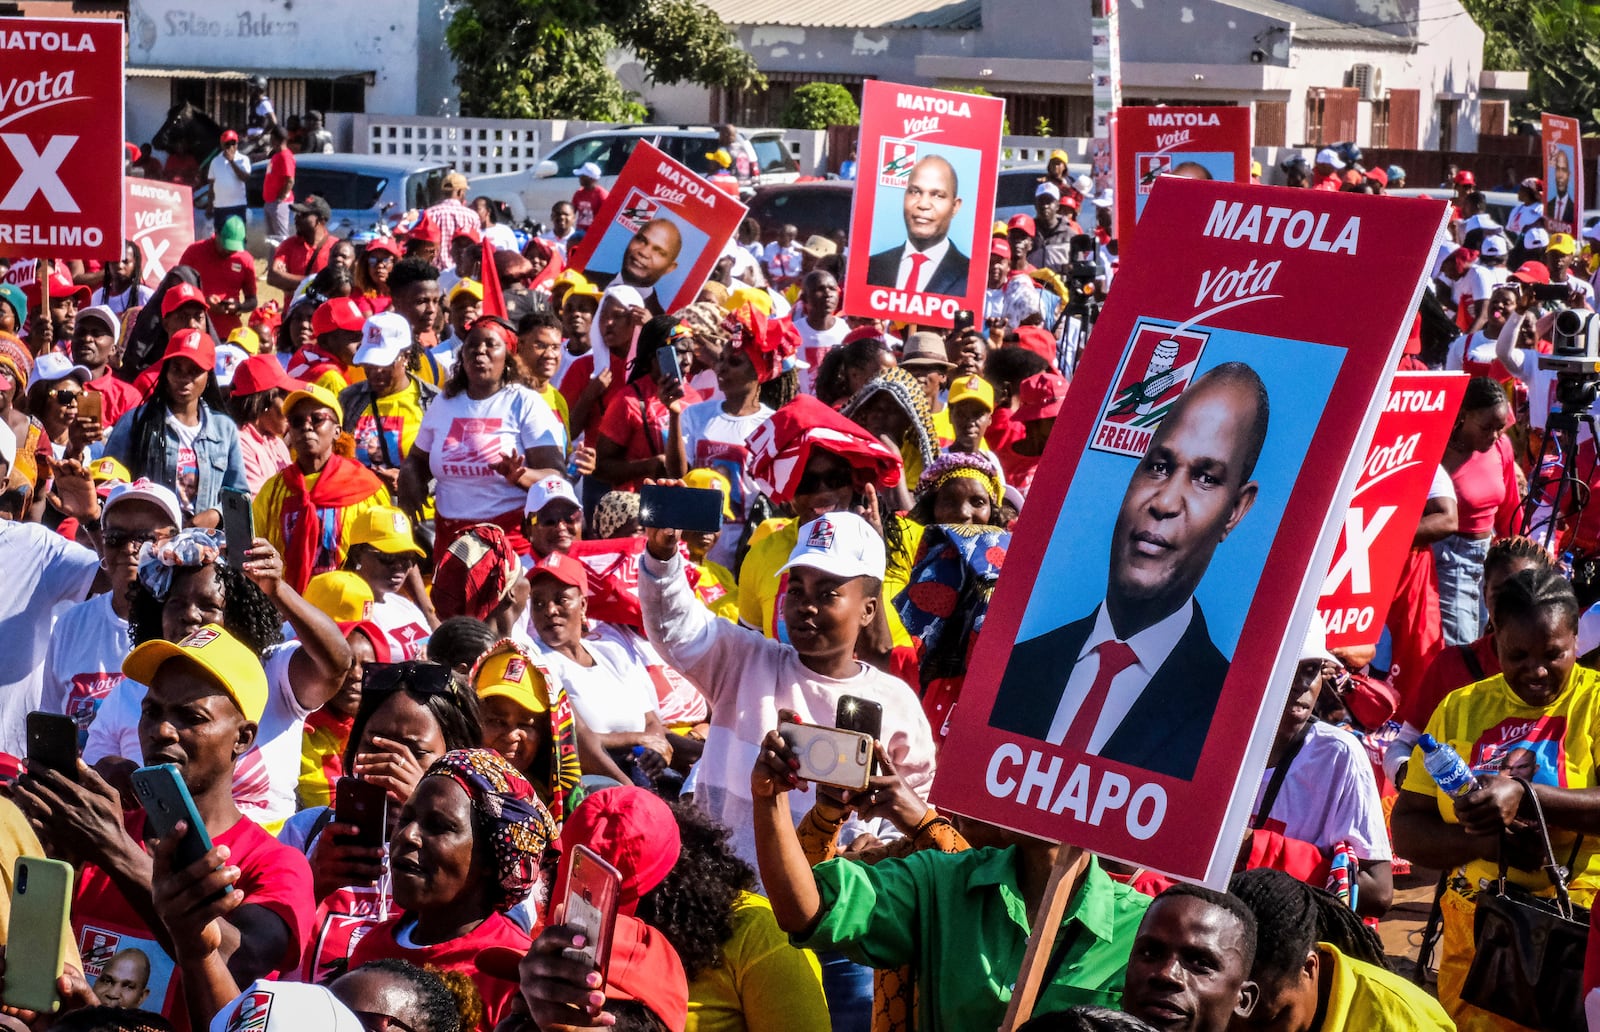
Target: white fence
x,y
475,146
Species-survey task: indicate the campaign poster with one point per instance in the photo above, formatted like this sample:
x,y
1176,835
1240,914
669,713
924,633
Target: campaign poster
x,y
1194,142
61,150
924,203
138,973
1380,521
661,228
1562,140
1137,655
160,220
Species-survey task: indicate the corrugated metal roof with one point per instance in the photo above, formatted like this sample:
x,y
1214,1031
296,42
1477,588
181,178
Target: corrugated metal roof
x,y
853,14
1316,29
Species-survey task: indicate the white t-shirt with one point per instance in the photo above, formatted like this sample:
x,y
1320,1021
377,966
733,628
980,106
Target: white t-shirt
x,y
134,296
1479,282
264,779
227,191
716,440
464,438
1479,347
1524,217
616,694
40,569
781,262
188,462
84,660
503,237
1330,796
814,344
403,624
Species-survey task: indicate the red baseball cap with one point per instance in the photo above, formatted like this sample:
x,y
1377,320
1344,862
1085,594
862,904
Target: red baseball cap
x,y
1001,248
195,345
1465,178
470,232
179,295
1025,223
1040,396
1070,199
229,136
1379,176
563,568
340,313
1532,272
425,229
383,246
632,829
1037,339
262,373
61,285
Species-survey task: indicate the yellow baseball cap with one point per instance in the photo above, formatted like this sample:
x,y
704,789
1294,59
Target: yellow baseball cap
x,y
246,338
1000,229
741,296
1562,243
507,672
385,528
971,388
470,287
343,594
107,470
233,666
321,395
706,478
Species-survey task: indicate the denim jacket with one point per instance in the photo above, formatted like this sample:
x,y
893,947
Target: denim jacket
x,y
217,453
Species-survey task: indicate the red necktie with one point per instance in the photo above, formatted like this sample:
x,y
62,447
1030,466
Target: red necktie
x,y
1115,657
918,260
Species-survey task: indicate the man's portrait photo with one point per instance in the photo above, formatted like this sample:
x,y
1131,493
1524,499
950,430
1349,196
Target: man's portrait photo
x,y
651,254
1137,678
927,260
1558,206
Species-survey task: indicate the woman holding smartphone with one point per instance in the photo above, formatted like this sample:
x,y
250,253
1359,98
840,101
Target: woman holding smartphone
x,y
641,432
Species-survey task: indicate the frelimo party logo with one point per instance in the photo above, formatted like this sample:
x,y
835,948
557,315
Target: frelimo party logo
x,y
1155,371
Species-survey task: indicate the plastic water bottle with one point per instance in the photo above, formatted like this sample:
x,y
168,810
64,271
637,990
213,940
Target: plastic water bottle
x,y
1448,770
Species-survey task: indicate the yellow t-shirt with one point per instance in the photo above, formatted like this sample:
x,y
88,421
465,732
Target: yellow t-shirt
x,y
1363,997
719,590
558,405
1487,723
763,981
269,520
943,429
401,416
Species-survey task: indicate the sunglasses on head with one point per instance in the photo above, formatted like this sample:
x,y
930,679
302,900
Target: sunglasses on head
x,y
833,480
412,675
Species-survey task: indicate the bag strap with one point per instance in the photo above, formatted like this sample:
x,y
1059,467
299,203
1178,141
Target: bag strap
x,y
377,425
1552,870
1432,931
1279,773
1470,657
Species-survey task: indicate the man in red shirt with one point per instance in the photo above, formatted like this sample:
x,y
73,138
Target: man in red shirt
x,y
590,195
277,187
94,337
1326,172
227,274
306,252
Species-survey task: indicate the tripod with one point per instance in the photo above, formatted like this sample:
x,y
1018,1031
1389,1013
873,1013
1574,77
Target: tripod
x,y
1083,311
1556,471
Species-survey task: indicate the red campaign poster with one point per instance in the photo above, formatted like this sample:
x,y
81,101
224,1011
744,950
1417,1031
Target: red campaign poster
x,y
661,228
160,220
1381,520
1141,643
1195,142
61,138
924,203
1562,140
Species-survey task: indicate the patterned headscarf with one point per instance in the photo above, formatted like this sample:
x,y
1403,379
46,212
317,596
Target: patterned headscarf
x,y
614,509
704,319
908,393
15,356
195,546
565,773
767,342
506,809
952,465
475,574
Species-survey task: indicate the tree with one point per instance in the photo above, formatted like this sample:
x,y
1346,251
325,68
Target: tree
x,y
1557,41
817,105
547,58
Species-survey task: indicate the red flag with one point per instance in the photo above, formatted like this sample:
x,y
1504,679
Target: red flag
x,y
494,299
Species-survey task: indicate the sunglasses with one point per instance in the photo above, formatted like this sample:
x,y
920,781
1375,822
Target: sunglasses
x,y
833,480
66,397
119,539
311,422
412,676
394,560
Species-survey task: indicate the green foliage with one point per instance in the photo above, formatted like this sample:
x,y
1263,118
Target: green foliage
x,y
817,105
1041,127
1556,41
547,58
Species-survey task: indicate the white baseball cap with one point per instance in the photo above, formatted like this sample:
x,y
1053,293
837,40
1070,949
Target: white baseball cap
x,y
1482,220
1329,156
1316,645
1494,246
104,314
1083,184
1534,239
270,1006
1105,200
840,543
550,489
384,338
53,365
144,490
1047,189
588,170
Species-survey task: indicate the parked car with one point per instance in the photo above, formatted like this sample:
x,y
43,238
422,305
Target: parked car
x,y
1014,189
1500,202
359,188
815,208
531,193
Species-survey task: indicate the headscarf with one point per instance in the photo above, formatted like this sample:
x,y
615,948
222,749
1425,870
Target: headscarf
x,y
14,355
626,296
954,465
705,320
312,515
565,773
947,597
765,341
506,811
614,509
195,546
554,264
781,447
1020,299
909,395
475,574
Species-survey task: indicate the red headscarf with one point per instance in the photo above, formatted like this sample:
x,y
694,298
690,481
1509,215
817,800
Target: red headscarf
x,y
766,342
553,263
781,447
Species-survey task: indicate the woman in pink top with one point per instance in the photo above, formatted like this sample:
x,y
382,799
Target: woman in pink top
x,y
256,404
1482,469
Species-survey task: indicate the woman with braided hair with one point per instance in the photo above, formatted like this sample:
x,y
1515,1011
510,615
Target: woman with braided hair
x,y
1319,968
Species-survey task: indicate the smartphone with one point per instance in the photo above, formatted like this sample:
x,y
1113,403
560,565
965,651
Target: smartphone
x,y
366,805
964,320
53,743
166,801
667,367
91,405
681,508
830,756
41,901
593,887
238,526
857,714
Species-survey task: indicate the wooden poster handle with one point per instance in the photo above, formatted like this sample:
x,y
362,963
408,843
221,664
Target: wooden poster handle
x,y
1046,923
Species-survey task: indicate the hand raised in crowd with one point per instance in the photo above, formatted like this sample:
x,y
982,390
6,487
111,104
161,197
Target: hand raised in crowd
x,y
597,385
335,863
562,993
638,315
776,770
192,900
74,989
81,433
391,765
264,566
868,509
583,458
670,394
72,491
662,542
887,796
81,821
511,466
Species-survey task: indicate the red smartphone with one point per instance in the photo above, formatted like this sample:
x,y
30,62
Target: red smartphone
x,y
593,887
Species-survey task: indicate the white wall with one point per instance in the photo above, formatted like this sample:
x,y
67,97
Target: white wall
x,y
146,107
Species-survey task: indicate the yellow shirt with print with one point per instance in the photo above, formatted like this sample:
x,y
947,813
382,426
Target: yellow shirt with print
x,y
405,405
558,405
1486,721
269,506
1362,996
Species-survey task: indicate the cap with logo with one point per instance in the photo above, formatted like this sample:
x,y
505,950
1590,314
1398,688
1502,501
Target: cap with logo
x,y
274,1006
466,288
61,285
839,543
384,338
339,313
181,294
344,595
141,490
999,247
508,674
1040,396
1494,246
1532,272
106,473
569,571
314,392
229,136
547,490
53,365
313,205
1562,243
971,388
385,528
230,663
262,373
1024,223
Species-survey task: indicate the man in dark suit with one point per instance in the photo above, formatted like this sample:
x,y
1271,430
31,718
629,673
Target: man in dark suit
x,y
928,262
1137,680
1558,209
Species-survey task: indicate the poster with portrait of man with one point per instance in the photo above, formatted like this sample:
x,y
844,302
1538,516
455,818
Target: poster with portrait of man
x,y
924,201
661,230
1561,140
1140,645
1193,142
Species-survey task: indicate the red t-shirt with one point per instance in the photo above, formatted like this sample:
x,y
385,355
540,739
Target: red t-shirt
x,y
1486,490
271,874
1447,672
1019,469
279,169
636,420
119,395
577,378
301,258
455,955
586,204
222,277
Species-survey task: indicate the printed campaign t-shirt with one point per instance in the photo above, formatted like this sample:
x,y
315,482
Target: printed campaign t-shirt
x,y
393,939
84,661
1493,729
1328,796
814,346
188,462
464,438
402,622
398,420
716,440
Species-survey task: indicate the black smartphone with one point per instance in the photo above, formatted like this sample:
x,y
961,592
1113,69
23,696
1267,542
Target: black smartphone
x,y
964,321
238,526
857,714
667,367
680,508
366,805
53,743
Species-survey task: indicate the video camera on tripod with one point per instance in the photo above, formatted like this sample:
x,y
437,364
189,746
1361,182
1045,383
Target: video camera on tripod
x,y
1575,359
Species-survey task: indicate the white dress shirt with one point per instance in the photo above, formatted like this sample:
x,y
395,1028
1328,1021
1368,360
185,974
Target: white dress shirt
x,y
935,256
1152,646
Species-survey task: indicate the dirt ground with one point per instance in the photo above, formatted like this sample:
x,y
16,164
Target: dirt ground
x,y
1401,928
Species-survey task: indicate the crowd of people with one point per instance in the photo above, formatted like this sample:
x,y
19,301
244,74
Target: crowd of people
x,y
451,613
